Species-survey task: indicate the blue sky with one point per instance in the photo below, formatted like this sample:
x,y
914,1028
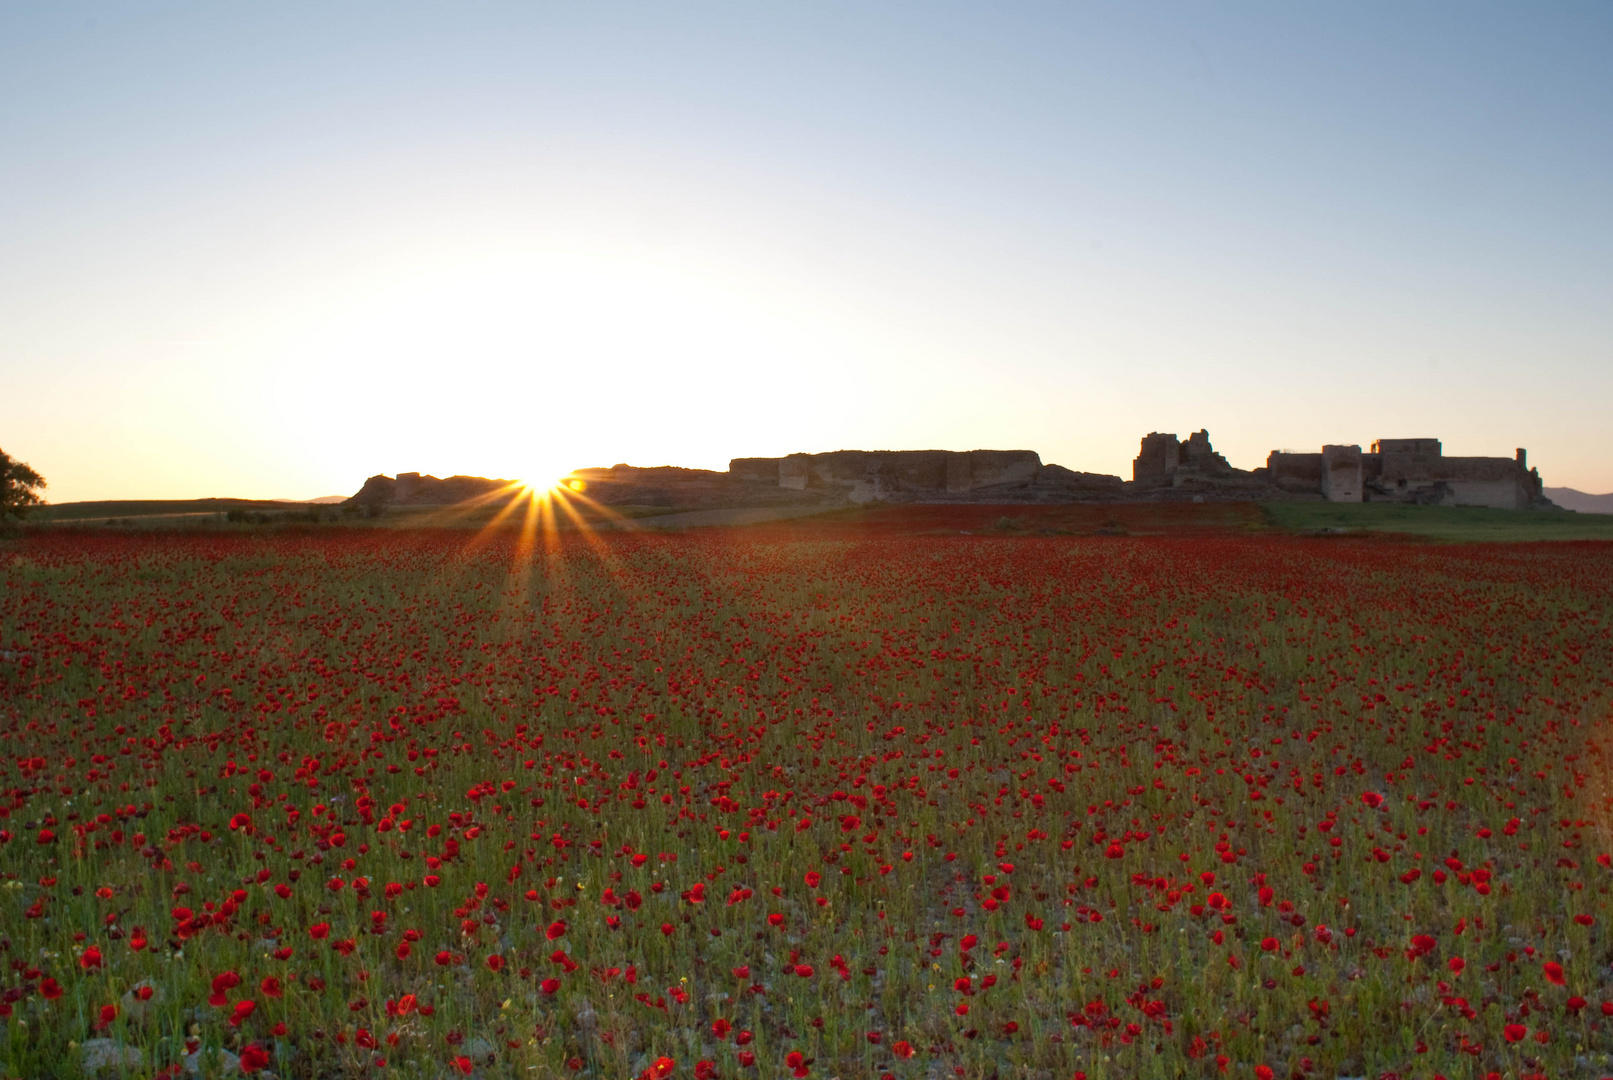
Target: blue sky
x,y
270,250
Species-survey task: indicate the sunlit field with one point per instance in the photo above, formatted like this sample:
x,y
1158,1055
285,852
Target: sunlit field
x,y
771,803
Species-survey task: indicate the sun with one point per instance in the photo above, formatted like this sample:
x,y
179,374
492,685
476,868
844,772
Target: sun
x,y
552,484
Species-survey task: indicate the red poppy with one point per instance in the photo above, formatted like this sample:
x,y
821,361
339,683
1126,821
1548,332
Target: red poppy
x,y
556,930
1553,972
1514,1032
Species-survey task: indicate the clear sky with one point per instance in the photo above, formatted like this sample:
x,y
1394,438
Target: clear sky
x,y
268,250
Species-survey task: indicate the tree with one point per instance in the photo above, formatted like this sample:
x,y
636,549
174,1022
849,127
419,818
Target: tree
x,y
19,488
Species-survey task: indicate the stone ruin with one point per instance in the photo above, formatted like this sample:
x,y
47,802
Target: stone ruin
x,y
413,489
1165,460
1411,471
864,476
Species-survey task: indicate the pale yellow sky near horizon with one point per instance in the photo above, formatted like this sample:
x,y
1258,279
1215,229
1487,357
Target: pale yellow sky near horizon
x,y
528,366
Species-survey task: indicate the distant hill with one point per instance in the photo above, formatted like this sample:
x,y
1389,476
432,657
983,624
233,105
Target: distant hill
x,y
143,508
1569,499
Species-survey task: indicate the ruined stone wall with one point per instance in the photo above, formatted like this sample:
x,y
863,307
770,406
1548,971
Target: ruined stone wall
x,y
414,489
1429,447
1156,459
1298,474
876,474
755,470
795,471
1167,461
1341,473
1409,471
992,467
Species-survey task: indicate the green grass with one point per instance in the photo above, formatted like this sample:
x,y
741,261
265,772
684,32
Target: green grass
x,y
1451,523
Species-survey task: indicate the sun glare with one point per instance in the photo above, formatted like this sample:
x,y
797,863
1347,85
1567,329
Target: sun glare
x,y
550,483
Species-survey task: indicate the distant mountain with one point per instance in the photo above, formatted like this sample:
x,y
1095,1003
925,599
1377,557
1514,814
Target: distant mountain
x,y
328,500
1569,499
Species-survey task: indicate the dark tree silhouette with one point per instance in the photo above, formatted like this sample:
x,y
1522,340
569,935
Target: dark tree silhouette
x,y
19,487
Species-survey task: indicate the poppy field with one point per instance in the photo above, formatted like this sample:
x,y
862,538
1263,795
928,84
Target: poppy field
x,y
786,804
